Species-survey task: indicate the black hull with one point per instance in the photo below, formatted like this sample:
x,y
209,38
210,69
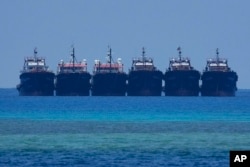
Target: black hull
x,y
72,84
182,83
109,84
218,83
145,83
36,84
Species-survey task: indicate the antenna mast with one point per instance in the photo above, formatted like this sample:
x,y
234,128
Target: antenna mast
x,y
73,56
109,58
35,56
179,49
143,55
35,53
217,55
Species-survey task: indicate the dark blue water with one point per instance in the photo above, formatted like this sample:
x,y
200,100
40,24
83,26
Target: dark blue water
x,y
122,131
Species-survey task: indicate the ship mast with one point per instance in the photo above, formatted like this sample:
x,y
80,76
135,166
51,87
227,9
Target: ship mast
x,y
217,55
35,56
73,57
179,49
143,56
109,58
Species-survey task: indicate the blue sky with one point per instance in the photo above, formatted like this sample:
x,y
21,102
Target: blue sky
x,y
198,26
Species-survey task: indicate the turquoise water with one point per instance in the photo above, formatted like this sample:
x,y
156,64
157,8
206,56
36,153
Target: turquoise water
x,y
122,131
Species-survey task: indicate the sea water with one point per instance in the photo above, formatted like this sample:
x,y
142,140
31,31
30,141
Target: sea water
x,y
122,131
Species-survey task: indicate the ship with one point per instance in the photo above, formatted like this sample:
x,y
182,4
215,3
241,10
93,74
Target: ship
x,y
36,79
72,78
144,79
218,79
181,79
108,78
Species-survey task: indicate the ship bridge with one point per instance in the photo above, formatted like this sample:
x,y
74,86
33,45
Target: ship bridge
x,y
72,67
110,66
217,64
146,64
107,67
34,64
180,63
143,63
